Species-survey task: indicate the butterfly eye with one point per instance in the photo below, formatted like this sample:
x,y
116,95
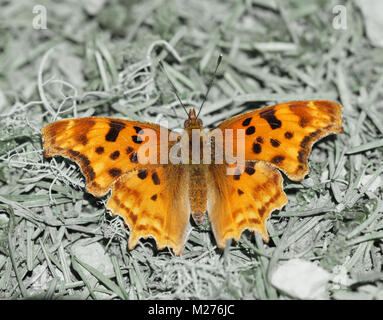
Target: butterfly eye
x,y
200,122
187,123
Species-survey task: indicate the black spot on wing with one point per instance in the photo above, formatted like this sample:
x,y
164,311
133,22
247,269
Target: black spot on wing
x,y
257,148
115,128
250,130
114,155
138,130
89,172
278,159
155,178
246,122
82,159
249,170
100,150
275,143
250,164
137,139
289,135
237,173
315,134
272,120
115,172
142,174
133,157
302,155
305,141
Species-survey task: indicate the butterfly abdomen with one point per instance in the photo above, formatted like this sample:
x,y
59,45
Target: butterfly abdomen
x,y
197,192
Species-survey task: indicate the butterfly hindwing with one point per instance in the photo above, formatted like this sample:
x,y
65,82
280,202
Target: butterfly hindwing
x,y
243,200
154,202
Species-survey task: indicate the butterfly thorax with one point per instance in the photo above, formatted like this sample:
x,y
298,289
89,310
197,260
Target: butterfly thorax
x,y
195,136
193,122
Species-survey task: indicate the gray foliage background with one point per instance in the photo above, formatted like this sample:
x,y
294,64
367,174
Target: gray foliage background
x,y
97,58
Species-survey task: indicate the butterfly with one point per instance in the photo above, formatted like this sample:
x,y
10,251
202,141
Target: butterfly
x,y
156,199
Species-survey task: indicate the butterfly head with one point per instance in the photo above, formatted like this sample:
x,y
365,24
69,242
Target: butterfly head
x,y
193,121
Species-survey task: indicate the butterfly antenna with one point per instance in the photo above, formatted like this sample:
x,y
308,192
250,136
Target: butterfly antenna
x,y
210,83
173,86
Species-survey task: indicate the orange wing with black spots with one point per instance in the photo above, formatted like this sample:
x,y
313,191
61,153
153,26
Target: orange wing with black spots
x,y
278,136
151,198
104,148
154,203
155,199
244,200
282,135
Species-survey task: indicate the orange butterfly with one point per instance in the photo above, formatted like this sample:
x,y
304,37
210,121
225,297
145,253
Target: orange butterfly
x,y
156,200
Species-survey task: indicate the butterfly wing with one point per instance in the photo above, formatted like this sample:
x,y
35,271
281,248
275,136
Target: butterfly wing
x,y
105,148
244,200
154,202
151,198
278,136
282,135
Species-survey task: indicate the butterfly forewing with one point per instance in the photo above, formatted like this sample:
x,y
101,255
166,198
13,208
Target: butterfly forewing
x,y
104,148
282,135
